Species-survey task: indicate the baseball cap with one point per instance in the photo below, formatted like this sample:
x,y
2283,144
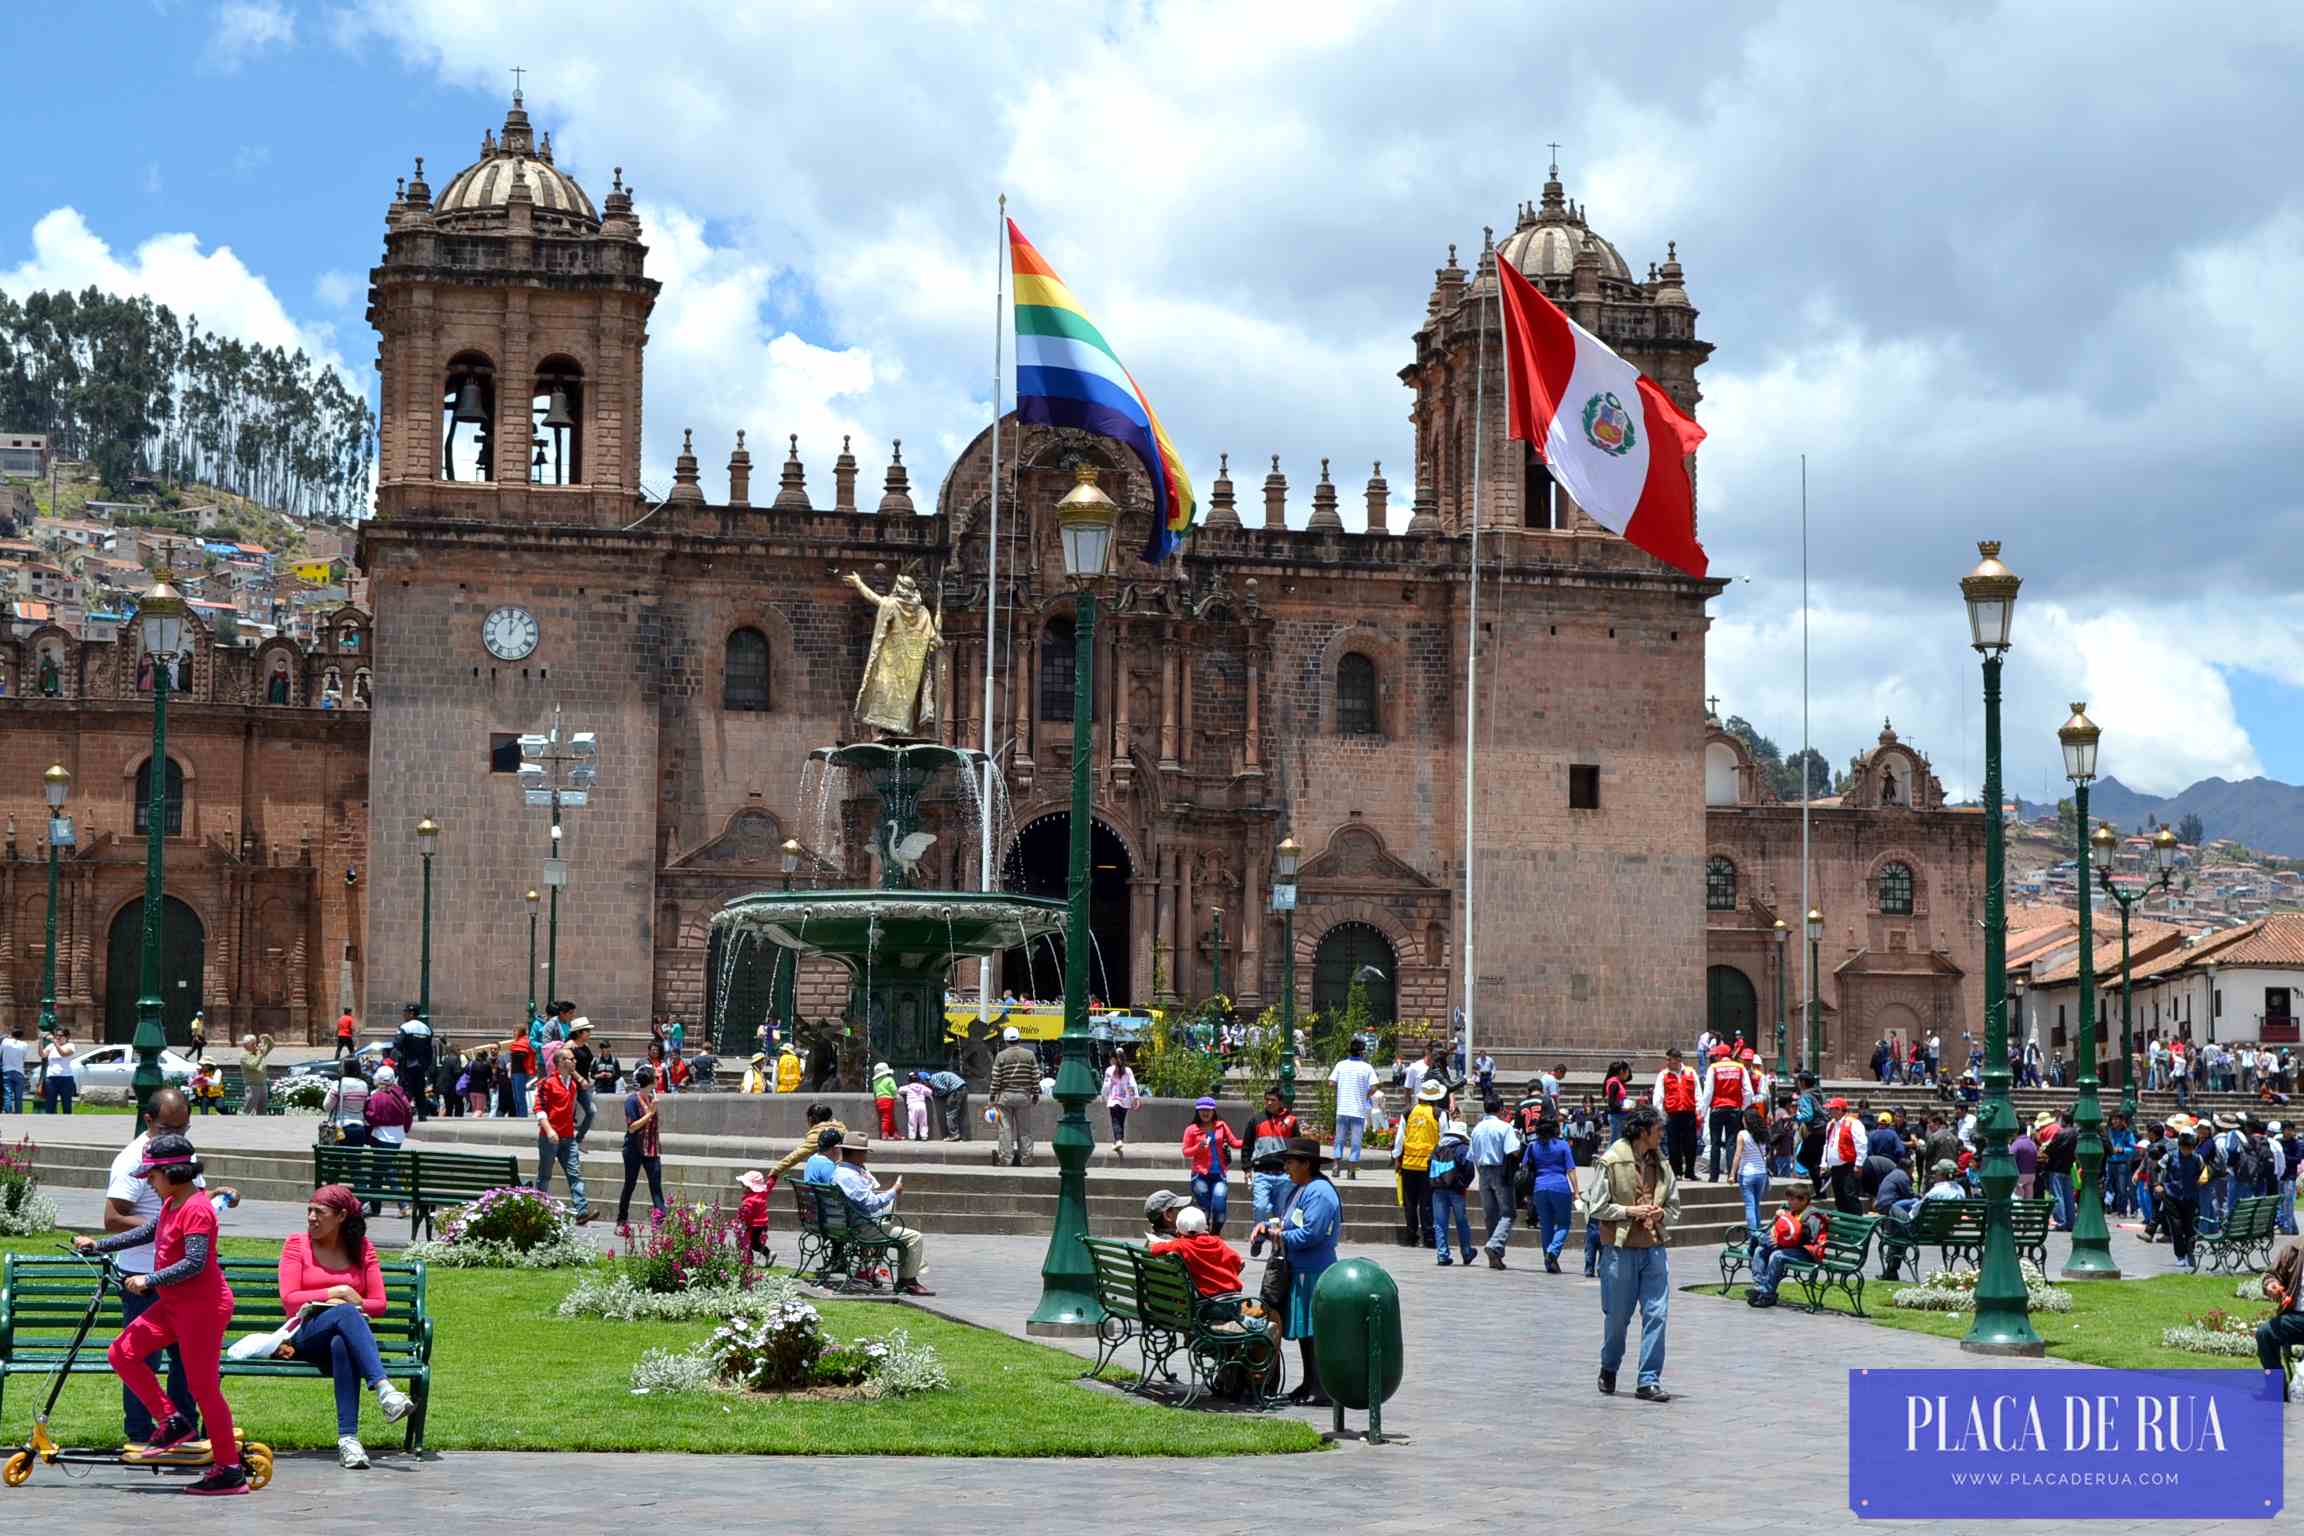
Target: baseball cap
x,y
1011,1033
1946,1168
1162,1200
170,1151
1835,1103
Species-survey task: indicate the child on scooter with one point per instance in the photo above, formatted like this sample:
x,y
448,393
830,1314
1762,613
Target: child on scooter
x,y
193,1309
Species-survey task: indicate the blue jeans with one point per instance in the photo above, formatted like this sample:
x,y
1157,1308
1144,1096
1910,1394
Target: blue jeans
x,y
570,1157
2144,1203
520,1094
1349,1129
2060,1187
583,1113
56,1094
2286,1211
1550,1209
338,1342
11,1093
1768,1267
1208,1193
135,1418
1754,1184
1632,1277
1270,1193
1448,1204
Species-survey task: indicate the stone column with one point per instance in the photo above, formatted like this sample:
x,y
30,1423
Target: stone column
x,y
1255,763
1253,901
1180,919
1168,759
1120,692
1184,662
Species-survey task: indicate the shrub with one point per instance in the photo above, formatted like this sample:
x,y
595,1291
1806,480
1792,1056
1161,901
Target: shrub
x,y
2213,1332
665,1370
514,1227
1169,1070
904,1368
24,1211
1954,1290
772,1350
690,1248
616,1299
301,1094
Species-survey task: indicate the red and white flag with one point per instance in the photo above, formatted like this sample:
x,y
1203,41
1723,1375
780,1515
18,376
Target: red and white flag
x,y
1605,430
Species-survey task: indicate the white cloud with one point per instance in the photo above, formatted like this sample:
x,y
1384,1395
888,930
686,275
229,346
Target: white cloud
x,y
171,269
250,158
245,29
337,289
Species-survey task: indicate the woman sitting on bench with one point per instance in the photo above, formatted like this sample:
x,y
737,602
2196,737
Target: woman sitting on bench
x,y
330,1271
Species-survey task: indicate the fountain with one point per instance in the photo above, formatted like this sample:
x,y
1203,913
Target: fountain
x,y
899,940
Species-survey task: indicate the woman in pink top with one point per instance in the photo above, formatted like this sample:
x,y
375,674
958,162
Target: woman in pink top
x,y
331,1273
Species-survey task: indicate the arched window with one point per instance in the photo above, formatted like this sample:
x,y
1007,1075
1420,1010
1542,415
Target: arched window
x,y
172,815
556,409
1356,695
467,419
1057,659
1896,889
1536,510
744,681
1719,884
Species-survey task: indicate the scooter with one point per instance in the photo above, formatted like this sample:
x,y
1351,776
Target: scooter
x,y
255,1456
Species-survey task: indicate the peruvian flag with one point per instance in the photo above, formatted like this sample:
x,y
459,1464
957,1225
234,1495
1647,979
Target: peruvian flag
x,y
1606,431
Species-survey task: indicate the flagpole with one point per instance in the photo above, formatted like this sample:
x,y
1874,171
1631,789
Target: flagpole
x,y
1806,762
992,600
1472,655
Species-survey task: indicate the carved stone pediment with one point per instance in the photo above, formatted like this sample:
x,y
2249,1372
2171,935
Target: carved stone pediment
x,y
753,839
1356,855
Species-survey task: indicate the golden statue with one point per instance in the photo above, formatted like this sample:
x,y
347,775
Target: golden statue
x,y
898,695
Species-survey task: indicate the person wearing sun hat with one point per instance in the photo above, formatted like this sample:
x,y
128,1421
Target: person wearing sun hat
x,y
1306,1229
1419,1133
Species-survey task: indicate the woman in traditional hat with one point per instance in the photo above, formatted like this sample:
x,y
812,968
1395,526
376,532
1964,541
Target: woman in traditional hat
x,y
1306,1230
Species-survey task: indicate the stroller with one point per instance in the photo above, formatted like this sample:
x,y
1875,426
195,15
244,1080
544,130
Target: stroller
x,y
255,1456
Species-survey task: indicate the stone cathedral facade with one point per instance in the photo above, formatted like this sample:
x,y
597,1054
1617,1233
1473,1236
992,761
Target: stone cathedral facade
x,y
1270,681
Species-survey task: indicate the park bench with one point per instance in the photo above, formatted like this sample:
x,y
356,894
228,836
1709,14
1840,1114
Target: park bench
x,y
816,1249
1150,1297
43,1297
848,1238
2244,1237
1954,1228
2029,1221
1847,1244
430,1182
1736,1244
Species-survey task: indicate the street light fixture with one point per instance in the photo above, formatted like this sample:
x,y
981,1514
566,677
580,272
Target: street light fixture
x,y
1815,1008
1783,939
1285,859
1068,1305
162,619
2002,1323
56,783
2091,1257
558,770
2164,858
787,961
427,841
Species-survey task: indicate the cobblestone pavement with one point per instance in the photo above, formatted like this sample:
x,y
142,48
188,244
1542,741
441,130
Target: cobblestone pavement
x,y
1498,1406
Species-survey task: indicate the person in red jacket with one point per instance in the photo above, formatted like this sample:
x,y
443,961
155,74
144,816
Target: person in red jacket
x,y
1208,1143
1675,1099
1214,1267
556,1134
1797,1233
752,1215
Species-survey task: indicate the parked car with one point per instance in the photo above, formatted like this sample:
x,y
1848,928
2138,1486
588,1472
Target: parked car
x,y
114,1066
369,1056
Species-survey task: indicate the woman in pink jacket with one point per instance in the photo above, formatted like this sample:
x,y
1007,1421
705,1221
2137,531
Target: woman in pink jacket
x,y
1207,1141
330,1271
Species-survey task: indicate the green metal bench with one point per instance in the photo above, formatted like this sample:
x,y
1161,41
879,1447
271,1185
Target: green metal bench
x,y
852,1237
1114,1274
1736,1244
816,1249
2245,1236
1954,1228
43,1297
428,1182
1152,1297
2029,1221
1847,1245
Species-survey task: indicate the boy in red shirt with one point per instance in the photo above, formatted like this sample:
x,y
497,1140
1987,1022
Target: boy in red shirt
x,y
556,1134
752,1215
191,1310
1214,1267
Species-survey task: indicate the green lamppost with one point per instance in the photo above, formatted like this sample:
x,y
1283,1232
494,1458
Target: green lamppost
x,y
427,840
1216,948
56,783
2003,1325
2091,1257
1068,1304
534,896
1284,861
558,770
787,961
1783,1063
2164,855
161,618
1815,1003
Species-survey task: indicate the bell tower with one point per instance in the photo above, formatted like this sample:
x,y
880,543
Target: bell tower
x,y
511,318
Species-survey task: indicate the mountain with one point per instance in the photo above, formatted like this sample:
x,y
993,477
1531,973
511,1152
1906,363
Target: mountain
x,y
2262,813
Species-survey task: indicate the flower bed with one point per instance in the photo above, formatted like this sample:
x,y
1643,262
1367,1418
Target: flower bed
x,y
301,1095
2213,1332
24,1211
780,1350
1954,1290
514,1227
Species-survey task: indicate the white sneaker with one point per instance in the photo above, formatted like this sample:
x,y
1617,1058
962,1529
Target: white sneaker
x,y
350,1453
394,1402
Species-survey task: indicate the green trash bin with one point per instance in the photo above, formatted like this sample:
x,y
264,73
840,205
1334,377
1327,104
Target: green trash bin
x,y
1356,1338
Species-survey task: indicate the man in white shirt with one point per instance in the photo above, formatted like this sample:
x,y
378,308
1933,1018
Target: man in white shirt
x,y
865,1193
1935,1056
130,1202
1844,1142
15,1053
1354,1080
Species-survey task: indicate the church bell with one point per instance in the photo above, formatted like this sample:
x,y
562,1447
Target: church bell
x,y
468,403
557,415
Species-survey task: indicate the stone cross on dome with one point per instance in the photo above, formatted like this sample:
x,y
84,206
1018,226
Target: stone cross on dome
x,y
1555,160
516,82
1712,706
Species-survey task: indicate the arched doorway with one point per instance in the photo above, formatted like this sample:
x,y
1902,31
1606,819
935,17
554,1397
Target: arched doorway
x,y
1730,1005
1360,950
183,954
1038,864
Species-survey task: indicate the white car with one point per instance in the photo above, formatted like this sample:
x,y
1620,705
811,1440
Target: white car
x,y
114,1066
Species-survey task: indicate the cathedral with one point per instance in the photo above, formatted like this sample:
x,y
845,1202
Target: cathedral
x,y
1268,682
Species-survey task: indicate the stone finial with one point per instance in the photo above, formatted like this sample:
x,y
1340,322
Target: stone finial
x,y
896,496
1221,511
399,189
1275,497
1325,518
740,474
687,486
419,194
544,147
1379,500
792,491
1425,518
844,478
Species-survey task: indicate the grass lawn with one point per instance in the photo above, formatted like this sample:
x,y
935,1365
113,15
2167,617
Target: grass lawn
x,y
508,1374
2112,1322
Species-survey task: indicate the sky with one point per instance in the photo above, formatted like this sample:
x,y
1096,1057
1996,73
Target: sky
x,y
2027,271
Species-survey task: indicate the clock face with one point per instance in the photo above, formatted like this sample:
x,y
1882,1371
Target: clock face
x,y
509,633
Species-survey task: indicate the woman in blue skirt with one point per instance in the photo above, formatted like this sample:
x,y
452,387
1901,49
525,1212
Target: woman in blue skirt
x,y
1306,1228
